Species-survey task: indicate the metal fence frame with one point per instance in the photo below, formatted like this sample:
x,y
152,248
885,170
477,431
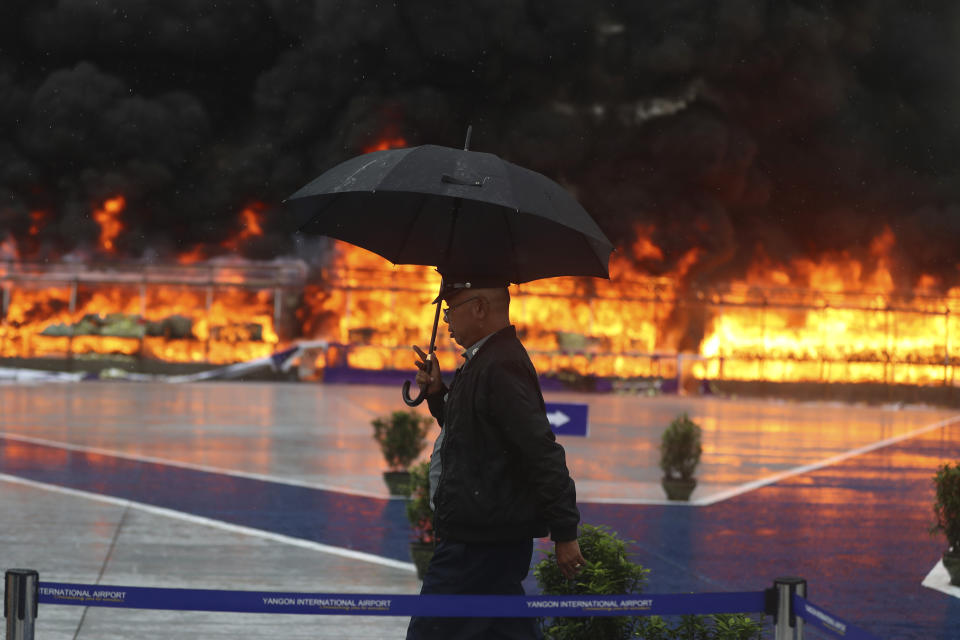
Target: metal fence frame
x,y
663,295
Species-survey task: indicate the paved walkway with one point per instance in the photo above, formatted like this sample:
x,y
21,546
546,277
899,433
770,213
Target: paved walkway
x,y
277,486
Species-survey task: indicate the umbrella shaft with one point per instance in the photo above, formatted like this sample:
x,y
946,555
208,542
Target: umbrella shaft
x,y
436,323
454,213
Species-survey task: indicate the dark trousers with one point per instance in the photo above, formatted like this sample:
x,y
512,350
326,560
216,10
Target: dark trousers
x,y
477,569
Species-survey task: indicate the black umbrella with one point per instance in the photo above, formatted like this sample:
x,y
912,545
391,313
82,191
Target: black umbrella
x,y
462,211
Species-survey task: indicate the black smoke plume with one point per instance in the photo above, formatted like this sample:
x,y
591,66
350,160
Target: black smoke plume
x,y
790,127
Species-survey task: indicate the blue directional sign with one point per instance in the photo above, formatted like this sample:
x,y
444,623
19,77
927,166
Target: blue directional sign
x,y
567,419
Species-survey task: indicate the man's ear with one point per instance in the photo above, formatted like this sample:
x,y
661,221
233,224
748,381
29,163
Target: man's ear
x,y
483,309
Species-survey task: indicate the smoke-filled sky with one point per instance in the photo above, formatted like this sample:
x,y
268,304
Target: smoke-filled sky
x,y
744,127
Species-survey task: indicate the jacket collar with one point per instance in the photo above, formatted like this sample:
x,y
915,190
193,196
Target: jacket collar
x,y
472,351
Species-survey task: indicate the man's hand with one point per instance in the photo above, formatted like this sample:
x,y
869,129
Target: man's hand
x,y
569,559
428,376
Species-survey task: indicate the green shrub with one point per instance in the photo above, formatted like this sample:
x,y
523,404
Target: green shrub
x,y
731,626
735,626
402,436
946,505
419,512
680,448
608,571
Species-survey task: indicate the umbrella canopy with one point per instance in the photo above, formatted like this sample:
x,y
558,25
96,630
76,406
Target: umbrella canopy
x,y
464,211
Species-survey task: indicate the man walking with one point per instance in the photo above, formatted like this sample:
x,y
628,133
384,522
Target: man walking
x,y
498,477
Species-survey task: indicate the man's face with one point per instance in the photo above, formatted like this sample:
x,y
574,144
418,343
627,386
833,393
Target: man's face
x,y
461,319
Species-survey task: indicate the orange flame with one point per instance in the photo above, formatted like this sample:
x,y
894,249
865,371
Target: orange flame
x,y
192,256
591,326
643,246
394,142
833,318
37,220
108,217
250,227
837,317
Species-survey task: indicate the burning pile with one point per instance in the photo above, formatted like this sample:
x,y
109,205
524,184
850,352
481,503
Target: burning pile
x,y
217,312
836,319
135,312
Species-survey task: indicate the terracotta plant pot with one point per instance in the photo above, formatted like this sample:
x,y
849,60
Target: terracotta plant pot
x,y
951,560
398,482
421,552
677,488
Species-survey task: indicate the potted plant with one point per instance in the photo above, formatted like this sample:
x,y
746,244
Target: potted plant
x,y
420,516
402,436
609,570
946,506
680,451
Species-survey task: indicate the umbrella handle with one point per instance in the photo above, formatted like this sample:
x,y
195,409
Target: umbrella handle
x,y
411,402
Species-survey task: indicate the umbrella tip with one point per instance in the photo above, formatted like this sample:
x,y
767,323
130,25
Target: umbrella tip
x,y
466,144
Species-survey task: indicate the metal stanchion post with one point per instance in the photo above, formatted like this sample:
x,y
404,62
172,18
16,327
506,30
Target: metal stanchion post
x,y
802,592
786,623
20,603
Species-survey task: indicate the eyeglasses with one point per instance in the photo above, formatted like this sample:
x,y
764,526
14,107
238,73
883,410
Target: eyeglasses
x,y
446,317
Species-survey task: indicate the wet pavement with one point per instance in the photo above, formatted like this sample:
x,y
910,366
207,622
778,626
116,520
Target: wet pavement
x,y
277,486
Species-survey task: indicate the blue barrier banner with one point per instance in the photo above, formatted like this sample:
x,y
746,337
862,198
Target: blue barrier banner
x,y
819,618
393,604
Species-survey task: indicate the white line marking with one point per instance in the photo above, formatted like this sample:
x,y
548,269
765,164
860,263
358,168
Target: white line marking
x,y
218,524
195,467
777,477
939,579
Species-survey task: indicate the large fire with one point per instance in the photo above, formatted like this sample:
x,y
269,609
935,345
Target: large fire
x,y
829,319
175,323
834,320
203,314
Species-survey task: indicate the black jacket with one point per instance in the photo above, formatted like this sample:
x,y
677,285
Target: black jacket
x,y
504,476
